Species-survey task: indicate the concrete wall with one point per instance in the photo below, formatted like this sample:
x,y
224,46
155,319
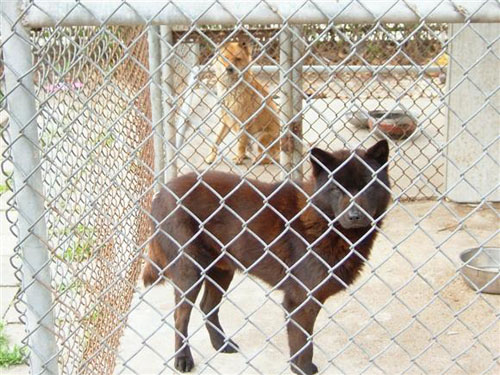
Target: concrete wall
x,y
473,150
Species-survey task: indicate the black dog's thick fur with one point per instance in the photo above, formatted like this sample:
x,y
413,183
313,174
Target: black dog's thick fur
x,y
225,215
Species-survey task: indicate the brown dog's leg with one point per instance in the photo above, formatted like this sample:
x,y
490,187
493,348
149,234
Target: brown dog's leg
x,y
264,141
300,326
210,306
226,127
184,304
241,149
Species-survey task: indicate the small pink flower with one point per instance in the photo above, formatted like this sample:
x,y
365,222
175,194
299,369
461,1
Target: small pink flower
x,y
53,88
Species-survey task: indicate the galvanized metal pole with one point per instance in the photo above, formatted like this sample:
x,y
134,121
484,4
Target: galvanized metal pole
x,y
183,120
156,102
168,92
297,92
29,192
291,104
225,12
286,99
328,69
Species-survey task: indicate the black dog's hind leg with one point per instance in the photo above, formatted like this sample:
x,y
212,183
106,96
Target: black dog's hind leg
x,y
186,291
215,285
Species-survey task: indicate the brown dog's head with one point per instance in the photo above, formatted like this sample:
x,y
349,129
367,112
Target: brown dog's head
x,y
233,58
354,189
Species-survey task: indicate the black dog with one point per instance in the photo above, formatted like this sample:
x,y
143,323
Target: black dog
x,y
203,233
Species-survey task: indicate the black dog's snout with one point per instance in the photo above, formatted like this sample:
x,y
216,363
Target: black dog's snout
x,y
230,69
354,215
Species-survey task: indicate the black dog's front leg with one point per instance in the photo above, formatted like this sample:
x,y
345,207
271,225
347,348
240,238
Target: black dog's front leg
x,y
300,324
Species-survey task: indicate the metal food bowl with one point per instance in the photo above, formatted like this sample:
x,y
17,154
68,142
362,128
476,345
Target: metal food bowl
x,y
482,267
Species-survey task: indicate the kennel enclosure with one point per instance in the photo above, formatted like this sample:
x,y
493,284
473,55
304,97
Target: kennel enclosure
x,y
98,95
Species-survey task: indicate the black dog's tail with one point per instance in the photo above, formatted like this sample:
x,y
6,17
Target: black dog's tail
x,y
156,259
153,268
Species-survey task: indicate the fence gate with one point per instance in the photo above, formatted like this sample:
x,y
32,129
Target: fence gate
x,y
109,101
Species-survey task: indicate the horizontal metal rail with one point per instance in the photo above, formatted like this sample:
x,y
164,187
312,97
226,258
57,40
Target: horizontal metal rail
x,y
319,69
41,13
326,69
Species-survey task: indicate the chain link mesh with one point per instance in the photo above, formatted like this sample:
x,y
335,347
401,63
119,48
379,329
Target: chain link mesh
x,y
409,311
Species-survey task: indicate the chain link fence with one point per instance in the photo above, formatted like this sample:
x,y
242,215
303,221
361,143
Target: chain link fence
x,y
108,103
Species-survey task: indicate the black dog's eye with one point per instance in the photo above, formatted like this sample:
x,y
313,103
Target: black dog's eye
x,y
333,187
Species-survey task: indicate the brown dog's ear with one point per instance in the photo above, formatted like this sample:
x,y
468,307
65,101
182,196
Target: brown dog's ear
x,y
322,161
378,152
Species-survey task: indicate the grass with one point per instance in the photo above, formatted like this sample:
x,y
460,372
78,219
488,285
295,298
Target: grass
x,y
80,251
79,244
107,137
10,356
3,188
81,248
74,285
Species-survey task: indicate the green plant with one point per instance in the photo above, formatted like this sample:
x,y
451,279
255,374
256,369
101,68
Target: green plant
x,y
10,356
80,246
107,137
73,285
3,188
80,251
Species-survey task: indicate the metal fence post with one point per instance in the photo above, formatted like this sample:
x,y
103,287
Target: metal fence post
x,y
286,102
168,91
291,102
156,102
297,91
32,228
191,76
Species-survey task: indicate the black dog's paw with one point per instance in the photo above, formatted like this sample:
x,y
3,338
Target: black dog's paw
x,y
306,370
230,347
184,363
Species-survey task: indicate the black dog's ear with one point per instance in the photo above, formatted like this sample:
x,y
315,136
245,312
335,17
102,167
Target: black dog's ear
x,y
319,156
378,152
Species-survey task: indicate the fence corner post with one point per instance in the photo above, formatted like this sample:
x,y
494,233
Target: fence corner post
x,y
28,191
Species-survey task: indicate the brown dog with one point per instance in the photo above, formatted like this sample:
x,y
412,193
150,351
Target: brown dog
x,y
246,105
309,251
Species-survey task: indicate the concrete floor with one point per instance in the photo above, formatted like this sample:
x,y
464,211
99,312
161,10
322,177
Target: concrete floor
x,y
409,310
417,164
